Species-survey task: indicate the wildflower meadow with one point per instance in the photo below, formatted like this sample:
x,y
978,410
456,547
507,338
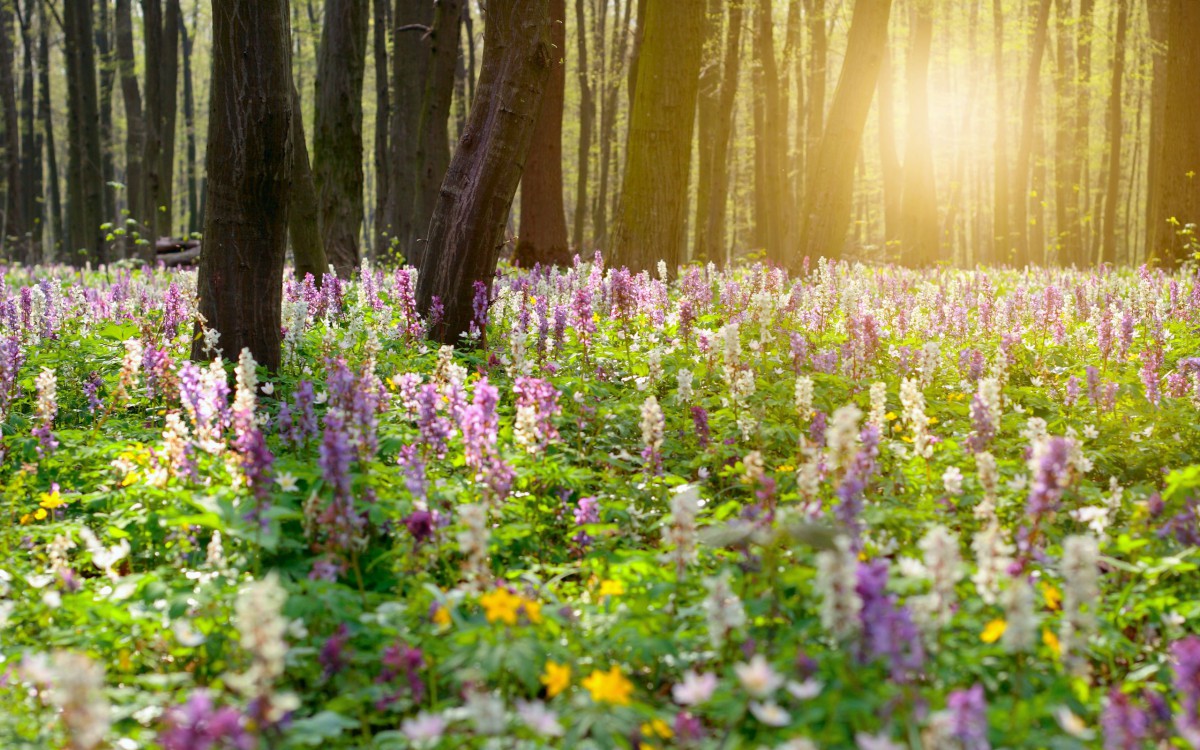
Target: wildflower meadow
x,y
855,507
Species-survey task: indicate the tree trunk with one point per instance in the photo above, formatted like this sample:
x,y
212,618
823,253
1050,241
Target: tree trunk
x,y
168,90
410,66
1083,109
338,140
543,233
152,154
651,222
303,226
775,151
893,173
189,126
466,232
587,119
608,117
106,70
706,121
819,43
1029,114
47,119
13,223
31,149
135,131
1066,155
919,212
249,166
1002,249
433,138
829,200
723,134
383,114
85,180
1159,15
1178,188
1108,253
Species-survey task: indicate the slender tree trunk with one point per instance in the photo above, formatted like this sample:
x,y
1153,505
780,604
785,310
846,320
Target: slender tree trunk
x,y
338,139
14,222
152,155
1002,250
819,44
1066,157
135,136
1083,109
587,119
303,226
85,179
189,126
608,118
829,201
467,229
31,147
168,69
1112,193
893,173
433,142
383,114
543,237
103,33
1159,12
919,213
47,120
249,167
1178,174
714,223
410,66
1029,115
775,164
706,120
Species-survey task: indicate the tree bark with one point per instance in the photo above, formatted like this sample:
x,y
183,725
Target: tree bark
x,y
31,150
1178,174
410,66
189,126
13,224
1108,253
152,154
708,108
1083,108
819,45
919,212
383,114
587,119
106,72
433,138
1159,16
85,180
168,70
303,226
828,202
467,228
723,134
1002,248
249,166
135,128
338,139
46,116
1068,244
1029,115
775,163
543,233
652,219
608,116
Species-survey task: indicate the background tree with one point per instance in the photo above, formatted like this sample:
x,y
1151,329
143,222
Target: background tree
x,y
919,218
249,165
466,232
85,208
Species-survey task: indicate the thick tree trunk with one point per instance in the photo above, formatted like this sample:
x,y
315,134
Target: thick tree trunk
x,y
723,135
829,200
587,120
1178,188
1029,115
652,219
152,154
135,131
168,70
383,115
249,166
543,233
1108,253
919,212
85,179
45,115
303,226
467,229
13,224
433,137
410,67
338,140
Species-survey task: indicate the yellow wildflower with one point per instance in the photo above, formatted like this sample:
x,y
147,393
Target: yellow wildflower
x,y
933,420
890,416
609,687
1052,596
657,728
533,610
556,678
52,500
1051,641
441,616
40,514
609,587
993,630
500,604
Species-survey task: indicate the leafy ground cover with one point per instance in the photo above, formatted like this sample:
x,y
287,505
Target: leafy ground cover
x,y
867,507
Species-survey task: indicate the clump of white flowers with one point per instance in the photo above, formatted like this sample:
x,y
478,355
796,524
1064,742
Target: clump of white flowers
x,y
1081,590
841,436
653,424
943,566
258,616
878,413
912,399
836,582
679,533
722,609
1020,617
804,398
73,684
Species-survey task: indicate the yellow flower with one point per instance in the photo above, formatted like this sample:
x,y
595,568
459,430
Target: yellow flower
x,y
657,728
609,687
993,630
441,616
40,514
556,678
934,420
533,610
1051,641
1052,596
786,467
500,604
890,416
129,479
52,500
609,587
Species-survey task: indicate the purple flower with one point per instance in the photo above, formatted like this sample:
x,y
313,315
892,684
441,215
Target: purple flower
x,y
1051,476
402,660
199,725
420,524
332,656
1125,725
1186,653
968,712
700,423
888,630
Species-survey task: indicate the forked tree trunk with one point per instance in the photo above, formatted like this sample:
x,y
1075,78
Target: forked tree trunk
x,y
249,165
829,199
652,219
543,232
338,140
467,229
